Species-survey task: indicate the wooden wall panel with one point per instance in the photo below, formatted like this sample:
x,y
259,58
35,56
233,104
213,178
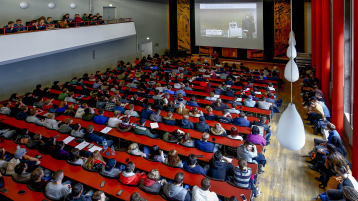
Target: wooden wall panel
x,y
183,19
255,54
282,27
229,52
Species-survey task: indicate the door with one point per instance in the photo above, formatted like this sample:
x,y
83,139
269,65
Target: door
x,y
147,49
109,13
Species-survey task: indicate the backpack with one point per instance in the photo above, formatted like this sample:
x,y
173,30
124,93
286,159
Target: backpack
x,y
312,154
97,165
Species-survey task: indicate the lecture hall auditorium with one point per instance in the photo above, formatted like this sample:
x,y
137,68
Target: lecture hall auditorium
x,y
180,100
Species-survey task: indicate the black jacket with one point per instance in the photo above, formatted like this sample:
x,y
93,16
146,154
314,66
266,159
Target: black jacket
x,y
219,170
202,126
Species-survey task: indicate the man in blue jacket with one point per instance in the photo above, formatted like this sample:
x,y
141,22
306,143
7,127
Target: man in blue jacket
x,y
91,137
10,27
145,113
242,120
19,26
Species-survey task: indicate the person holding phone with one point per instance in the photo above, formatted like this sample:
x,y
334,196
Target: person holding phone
x,y
56,189
248,151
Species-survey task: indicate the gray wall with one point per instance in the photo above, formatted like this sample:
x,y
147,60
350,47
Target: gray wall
x,y
150,18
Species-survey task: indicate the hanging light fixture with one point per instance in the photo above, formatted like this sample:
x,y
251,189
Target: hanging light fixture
x,y
290,129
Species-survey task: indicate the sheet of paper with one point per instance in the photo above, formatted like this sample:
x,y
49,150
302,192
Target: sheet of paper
x,y
229,160
45,115
239,99
216,96
94,148
154,125
68,139
82,145
106,130
228,86
257,92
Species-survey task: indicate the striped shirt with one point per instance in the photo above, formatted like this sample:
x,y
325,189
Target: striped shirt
x,y
242,178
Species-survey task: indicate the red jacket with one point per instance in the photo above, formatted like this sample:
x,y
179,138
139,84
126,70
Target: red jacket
x,y
78,19
133,180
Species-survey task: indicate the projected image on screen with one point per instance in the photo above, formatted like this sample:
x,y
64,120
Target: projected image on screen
x,y
229,23
228,20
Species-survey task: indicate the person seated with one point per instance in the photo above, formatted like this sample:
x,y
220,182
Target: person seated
x,y
193,167
169,90
322,144
180,91
134,150
110,170
226,118
125,126
229,81
229,92
132,84
173,137
142,130
204,145
168,120
192,102
248,151
186,123
63,95
65,128
76,194
211,97
182,110
70,111
208,88
95,162
156,116
255,136
202,126
56,189
187,141
61,107
50,122
203,193
218,130
55,85
21,175
116,119
234,134
209,115
75,158
346,180
35,141
195,113
101,102
119,107
220,167
219,106
5,109
70,98
173,159
89,136
128,177
263,105
180,99
242,120
266,127
131,111
88,114
9,28
248,102
152,183
233,109
176,190
37,182
100,119
23,114
33,119
58,153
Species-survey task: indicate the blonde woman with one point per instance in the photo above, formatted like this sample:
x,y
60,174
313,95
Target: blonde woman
x,y
209,113
152,184
182,110
134,150
173,159
94,159
218,130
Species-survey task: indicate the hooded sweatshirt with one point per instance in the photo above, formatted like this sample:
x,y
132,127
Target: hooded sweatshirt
x,y
219,169
242,152
33,119
239,121
130,178
202,126
51,124
150,185
175,192
185,123
200,195
256,139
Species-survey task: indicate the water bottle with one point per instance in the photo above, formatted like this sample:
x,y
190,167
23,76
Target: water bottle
x,y
18,146
113,152
105,145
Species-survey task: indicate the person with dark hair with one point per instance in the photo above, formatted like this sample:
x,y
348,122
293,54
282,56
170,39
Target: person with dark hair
x,y
156,116
58,152
23,114
202,126
346,181
20,173
76,194
203,193
248,151
88,115
98,195
322,144
100,119
266,127
255,137
128,177
225,118
242,176
56,189
89,136
192,166
37,181
218,168
175,190
110,169
186,123
242,120
135,197
219,106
